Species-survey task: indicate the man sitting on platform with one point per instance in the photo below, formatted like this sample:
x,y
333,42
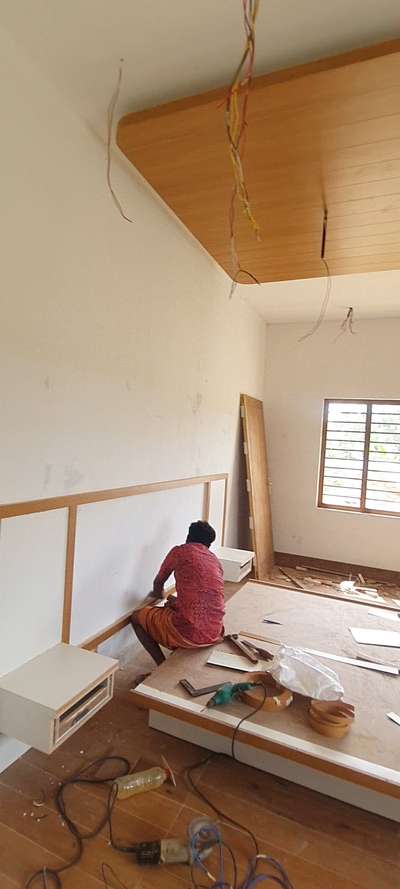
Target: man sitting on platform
x,y
194,618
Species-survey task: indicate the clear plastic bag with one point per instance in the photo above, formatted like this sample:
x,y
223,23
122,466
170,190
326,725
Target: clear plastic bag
x,y
302,673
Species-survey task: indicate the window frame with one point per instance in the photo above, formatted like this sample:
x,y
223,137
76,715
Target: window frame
x,y
362,509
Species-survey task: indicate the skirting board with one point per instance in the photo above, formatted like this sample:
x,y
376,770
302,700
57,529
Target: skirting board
x,y
10,751
335,787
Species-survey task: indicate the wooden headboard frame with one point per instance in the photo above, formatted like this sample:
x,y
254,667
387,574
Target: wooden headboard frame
x,y
72,502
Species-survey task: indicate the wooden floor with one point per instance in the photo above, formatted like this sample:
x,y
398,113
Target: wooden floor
x,y
324,844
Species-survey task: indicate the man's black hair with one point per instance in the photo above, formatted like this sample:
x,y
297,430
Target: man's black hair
x,y
201,532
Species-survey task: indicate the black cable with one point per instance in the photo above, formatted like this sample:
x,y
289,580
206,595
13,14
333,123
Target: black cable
x,y
222,815
50,877
281,880
245,718
114,876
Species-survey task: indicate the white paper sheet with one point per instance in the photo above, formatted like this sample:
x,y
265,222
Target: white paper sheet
x,y
387,615
375,637
234,662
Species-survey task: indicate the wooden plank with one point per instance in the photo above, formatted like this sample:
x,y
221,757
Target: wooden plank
x,y
8,510
255,448
206,501
330,591
312,132
294,580
69,574
381,575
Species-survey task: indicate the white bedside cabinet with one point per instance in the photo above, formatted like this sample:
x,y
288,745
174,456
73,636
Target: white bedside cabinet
x,y
46,700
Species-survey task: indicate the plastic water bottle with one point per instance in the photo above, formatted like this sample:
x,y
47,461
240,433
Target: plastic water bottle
x,y
140,782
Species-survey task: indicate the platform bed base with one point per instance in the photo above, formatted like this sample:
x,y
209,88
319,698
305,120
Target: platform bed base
x,y
354,794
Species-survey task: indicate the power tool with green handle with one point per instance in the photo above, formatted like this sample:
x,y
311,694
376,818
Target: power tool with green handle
x,y
229,692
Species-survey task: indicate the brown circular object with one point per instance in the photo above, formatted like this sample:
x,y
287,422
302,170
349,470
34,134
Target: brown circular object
x,y
332,712
329,730
331,718
334,707
277,698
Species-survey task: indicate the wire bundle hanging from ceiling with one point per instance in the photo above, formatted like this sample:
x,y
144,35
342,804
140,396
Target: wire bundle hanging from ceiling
x,y
236,124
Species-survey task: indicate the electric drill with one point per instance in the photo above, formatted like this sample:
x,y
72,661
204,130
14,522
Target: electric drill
x,y
229,692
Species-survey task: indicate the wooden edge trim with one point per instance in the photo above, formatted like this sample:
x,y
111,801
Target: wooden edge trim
x,y
224,514
320,765
244,400
295,72
10,510
206,501
93,641
69,574
291,560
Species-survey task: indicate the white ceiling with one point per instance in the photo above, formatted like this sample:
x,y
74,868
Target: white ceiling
x,y
373,295
174,48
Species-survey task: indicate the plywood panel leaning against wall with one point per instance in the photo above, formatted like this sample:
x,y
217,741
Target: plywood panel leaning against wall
x,y
327,132
255,449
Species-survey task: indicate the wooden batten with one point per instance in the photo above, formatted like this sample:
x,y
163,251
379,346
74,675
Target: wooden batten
x,y
69,574
27,507
291,560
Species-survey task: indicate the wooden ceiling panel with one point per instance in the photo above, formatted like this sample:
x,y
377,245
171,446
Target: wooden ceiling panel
x,y
329,131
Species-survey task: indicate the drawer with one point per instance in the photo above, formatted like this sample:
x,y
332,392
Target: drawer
x,y
69,721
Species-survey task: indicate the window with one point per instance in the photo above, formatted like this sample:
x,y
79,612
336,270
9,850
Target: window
x,y
360,456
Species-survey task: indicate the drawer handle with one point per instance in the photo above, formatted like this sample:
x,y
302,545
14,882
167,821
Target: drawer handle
x,y
80,715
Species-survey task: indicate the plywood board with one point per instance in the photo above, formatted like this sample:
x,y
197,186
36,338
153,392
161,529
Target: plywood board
x,y
306,621
255,450
326,132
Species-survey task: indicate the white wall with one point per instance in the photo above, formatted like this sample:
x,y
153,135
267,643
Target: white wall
x,y
122,358
298,377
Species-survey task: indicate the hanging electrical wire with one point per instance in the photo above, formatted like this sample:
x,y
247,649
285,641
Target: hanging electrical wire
x,y
236,106
325,301
347,323
110,129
